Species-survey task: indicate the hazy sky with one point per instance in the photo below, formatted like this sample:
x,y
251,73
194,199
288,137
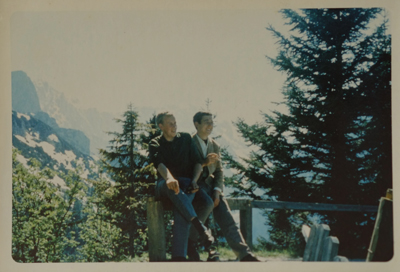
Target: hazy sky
x,y
160,59
164,60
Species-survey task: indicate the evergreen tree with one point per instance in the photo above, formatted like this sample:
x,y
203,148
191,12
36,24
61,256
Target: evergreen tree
x,y
152,130
334,145
101,238
126,162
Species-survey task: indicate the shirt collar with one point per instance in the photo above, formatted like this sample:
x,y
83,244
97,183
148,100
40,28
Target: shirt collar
x,y
203,145
163,140
200,139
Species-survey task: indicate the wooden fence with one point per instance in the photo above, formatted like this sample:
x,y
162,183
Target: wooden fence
x,y
156,228
321,247
245,206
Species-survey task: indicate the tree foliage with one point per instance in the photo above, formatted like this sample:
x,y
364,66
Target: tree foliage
x,y
97,216
334,144
42,213
126,163
101,239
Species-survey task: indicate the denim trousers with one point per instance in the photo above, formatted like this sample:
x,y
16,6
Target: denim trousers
x,y
183,212
222,216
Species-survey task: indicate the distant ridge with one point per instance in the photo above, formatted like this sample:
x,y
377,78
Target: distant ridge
x,y
24,96
90,121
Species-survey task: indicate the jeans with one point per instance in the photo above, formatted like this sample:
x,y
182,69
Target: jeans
x,y
183,212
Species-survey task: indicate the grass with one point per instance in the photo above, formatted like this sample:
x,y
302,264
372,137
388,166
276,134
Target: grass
x,y
226,254
285,254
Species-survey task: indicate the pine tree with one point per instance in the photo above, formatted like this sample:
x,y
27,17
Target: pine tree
x,y
132,177
326,149
152,131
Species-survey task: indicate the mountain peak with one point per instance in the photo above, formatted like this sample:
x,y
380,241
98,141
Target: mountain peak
x,y
24,95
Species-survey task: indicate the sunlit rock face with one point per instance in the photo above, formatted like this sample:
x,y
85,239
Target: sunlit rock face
x,y
36,139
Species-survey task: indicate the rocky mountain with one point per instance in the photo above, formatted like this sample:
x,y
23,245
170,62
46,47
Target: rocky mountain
x,y
24,96
35,139
91,122
25,100
75,137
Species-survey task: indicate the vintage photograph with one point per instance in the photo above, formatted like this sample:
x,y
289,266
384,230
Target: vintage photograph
x,y
201,135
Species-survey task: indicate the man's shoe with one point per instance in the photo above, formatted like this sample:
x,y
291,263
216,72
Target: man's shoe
x,y
192,253
205,235
207,240
250,258
213,255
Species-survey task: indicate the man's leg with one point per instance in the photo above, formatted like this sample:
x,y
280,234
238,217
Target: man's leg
x,y
180,201
232,234
183,205
180,233
203,205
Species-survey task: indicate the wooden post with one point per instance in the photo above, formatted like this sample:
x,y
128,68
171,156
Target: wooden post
x,y
310,243
330,249
156,230
246,226
313,250
322,232
381,245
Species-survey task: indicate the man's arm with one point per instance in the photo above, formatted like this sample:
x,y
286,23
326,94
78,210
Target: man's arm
x,y
218,179
196,174
157,159
218,175
210,159
171,182
197,168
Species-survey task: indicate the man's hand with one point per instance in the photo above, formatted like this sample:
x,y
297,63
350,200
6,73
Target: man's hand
x,y
173,184
211,158
193,187
215,196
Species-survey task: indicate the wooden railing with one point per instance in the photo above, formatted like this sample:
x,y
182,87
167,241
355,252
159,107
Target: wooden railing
x,y
156,228
245,206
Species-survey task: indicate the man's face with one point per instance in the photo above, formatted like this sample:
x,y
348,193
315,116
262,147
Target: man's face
x,y
205,127
168,127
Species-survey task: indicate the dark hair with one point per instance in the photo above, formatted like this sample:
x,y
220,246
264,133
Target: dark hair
x,y
198,116
161,115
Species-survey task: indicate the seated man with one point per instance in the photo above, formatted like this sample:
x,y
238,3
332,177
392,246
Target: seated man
x,y
211,188
179,164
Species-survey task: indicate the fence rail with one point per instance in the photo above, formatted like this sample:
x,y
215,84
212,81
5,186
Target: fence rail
x,y
241,204
245,206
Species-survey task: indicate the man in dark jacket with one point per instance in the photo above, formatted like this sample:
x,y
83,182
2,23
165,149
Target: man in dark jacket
x,y
178,165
